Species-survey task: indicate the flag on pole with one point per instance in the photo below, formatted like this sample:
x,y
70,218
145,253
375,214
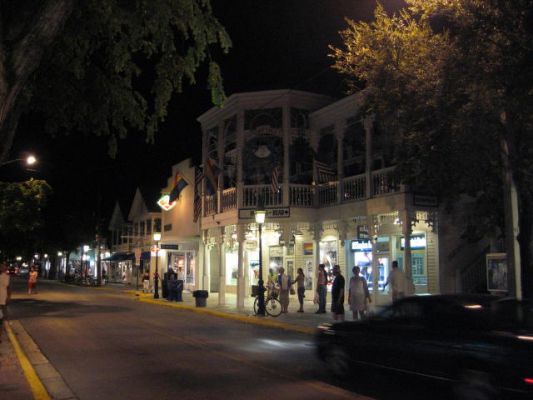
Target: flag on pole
x,y
179,185
198,176
275,179
324,173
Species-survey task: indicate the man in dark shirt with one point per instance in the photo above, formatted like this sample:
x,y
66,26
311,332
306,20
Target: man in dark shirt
x,y
337,295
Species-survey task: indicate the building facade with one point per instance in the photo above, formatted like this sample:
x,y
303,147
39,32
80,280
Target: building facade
x,y
326,174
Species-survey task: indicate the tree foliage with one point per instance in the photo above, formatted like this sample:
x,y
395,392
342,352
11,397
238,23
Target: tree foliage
x,y
103,67
21,217
454,79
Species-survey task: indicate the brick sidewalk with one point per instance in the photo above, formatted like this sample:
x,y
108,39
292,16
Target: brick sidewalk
x,y
13,383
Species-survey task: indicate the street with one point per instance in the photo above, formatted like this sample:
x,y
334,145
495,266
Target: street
x,y
105,343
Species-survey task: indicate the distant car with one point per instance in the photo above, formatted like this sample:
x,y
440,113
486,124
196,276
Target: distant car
x,y
482,344
23,271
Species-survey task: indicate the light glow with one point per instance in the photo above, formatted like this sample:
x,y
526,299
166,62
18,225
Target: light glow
x,y
529,381
30,160
260,216
473,306
164,204
157,236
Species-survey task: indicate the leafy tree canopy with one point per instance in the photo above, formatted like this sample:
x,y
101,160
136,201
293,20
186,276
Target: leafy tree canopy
x,y
21,204
103,67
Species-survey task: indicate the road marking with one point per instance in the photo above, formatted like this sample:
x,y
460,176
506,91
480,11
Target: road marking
x,y
37,388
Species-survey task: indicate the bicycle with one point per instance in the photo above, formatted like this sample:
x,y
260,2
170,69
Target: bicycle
x,y
272,304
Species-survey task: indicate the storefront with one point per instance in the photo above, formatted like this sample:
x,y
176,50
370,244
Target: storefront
x,y
182,260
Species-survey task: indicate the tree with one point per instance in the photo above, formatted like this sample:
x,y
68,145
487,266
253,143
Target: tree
x,y
21,207
102,67
453,78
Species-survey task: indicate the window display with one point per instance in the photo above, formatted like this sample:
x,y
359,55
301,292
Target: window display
x,y
232,268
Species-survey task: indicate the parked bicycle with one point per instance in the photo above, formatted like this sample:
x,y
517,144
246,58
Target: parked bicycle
x,y
272,304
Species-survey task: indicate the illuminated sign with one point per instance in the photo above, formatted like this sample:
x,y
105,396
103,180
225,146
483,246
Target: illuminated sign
x,y
164,204
361,245
417,242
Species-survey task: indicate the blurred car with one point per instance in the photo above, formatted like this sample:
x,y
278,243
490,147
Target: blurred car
x,y
23,271
482,344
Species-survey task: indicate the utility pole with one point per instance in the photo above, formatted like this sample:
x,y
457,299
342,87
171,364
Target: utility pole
x,y
98,261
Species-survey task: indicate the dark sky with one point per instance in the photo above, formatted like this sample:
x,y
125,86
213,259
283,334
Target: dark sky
x,y
276,44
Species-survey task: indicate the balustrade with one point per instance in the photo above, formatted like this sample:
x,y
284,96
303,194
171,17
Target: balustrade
x,y
327,194
301,195
210,205
252,193
354,188
229,199
385,181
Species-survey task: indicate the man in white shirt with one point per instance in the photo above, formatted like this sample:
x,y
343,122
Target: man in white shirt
x,y
5,294
398,282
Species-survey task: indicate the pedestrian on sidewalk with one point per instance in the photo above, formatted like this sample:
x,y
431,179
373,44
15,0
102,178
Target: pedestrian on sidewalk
x,y
146,282
322,288
284,284
337,295
358,295
172,288
5,295
300,282
32,280
181,283
397,281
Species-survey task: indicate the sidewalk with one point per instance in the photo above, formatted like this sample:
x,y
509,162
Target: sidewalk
x,y
13,383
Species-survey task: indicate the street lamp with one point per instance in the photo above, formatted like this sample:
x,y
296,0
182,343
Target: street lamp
x,y
260,215
157,238
30,160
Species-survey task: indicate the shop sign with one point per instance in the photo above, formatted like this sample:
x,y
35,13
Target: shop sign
x,y
361,245
417,242
165,204
250,245
425,201
362,232
278,212
170,246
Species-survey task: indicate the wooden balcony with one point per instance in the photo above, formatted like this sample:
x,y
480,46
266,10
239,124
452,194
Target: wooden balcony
x,y
349,189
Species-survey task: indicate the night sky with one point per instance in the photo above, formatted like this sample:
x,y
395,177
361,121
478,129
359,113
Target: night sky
x,y
277,44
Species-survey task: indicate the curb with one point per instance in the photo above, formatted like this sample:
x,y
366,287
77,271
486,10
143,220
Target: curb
x,y
37,388
252,320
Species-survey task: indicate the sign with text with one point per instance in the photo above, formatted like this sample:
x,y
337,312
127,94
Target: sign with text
x,y
278,212
425,200
169,246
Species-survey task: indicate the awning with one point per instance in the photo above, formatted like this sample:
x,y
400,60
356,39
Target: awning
x,y
145,255
120,257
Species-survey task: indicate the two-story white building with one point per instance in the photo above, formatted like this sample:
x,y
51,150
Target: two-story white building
x,y
326,175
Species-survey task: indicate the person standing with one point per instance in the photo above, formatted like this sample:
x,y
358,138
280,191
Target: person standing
x,y
337,295
32,281
5,295
321,288
284,283
358,294
181,282
397,281
300,282
146,282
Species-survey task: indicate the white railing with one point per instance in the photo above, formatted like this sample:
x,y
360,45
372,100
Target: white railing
x,y
229,199
301,195
327,194
385,181
252,193
354,188
210,205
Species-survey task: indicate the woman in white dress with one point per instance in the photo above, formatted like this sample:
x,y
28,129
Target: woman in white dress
x,y
358,294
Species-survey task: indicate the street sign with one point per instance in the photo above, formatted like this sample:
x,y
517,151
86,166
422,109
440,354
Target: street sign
x,y
278,212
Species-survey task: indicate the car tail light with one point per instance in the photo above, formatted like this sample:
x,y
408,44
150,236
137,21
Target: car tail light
x,y
529,381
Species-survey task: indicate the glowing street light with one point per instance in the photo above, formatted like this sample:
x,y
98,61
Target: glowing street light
x,y
29,160
157,238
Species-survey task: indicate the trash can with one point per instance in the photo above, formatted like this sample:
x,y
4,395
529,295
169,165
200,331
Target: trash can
x,y
200,297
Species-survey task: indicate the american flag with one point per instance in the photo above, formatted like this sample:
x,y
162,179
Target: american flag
x,y
211,172
275,179
198,176
324,173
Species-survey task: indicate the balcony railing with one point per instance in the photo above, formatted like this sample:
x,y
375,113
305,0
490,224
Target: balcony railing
x,y
229,199
251,194
354,188
301,196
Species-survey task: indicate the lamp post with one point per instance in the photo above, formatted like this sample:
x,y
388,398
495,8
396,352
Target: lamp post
x,y
260,215
157,238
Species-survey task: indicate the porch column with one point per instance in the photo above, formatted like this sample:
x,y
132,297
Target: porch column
x,y
286,143
317,235
240,266
340,127
407,230
222,268
374,232
220,179
240,148
204,251
368,123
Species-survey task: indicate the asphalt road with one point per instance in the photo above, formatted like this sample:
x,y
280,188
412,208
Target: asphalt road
x,y
108,345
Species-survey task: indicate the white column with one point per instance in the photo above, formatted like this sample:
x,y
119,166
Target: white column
x,y
317,234
286,142
374,231
240,149
222,268
240,265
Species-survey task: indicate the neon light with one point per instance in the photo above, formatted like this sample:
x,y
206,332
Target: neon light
x,y
164,204
529,381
